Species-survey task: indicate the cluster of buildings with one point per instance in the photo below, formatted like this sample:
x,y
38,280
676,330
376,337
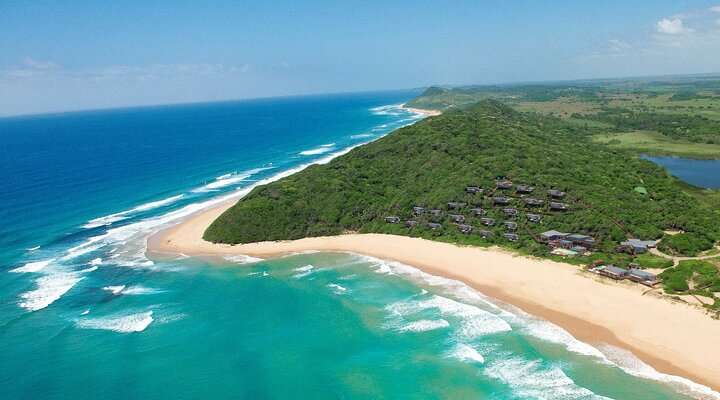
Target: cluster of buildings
x,y
634,274
568,244
501,197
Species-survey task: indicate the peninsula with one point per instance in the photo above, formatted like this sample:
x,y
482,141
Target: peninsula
x,y
423,196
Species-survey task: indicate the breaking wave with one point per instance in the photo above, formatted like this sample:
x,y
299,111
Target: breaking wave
x,y
123,215
35,266
322,149
122,324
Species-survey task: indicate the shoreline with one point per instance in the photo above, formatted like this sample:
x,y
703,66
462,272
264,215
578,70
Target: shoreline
x,y
422,111
623,315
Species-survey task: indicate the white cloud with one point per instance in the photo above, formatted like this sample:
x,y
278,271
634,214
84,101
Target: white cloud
x,y
36,64
618,46
715,9
672,26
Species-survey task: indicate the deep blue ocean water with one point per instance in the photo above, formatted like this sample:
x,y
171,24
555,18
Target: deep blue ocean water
x,y
701,173
84,314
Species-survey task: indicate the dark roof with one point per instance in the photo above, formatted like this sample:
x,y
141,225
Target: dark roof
x,y
501,200
503,184
511,236
553,233
525,188
558,206
615,270
556,193
465,228
433,225
485,233
534,217
644,275
478,211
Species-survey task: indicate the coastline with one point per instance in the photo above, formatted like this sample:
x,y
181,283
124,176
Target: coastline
x,y
422,111
622,314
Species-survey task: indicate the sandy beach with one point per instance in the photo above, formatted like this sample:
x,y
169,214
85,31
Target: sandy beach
x,y
427,113
672,337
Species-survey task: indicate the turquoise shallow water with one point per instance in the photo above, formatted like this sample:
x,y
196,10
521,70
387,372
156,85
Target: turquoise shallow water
x,y
85,314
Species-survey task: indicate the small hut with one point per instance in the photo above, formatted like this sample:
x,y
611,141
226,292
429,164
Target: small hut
x,y
392,219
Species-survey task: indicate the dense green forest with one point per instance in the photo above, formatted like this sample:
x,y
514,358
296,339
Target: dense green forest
x,y
611,194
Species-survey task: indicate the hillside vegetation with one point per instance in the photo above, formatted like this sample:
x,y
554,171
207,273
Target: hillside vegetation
x,y
611,194
679,116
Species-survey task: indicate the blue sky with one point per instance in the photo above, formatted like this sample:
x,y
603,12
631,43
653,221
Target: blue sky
x,y
71,55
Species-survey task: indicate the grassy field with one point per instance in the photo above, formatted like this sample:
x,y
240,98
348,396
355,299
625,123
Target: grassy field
x,y
654,143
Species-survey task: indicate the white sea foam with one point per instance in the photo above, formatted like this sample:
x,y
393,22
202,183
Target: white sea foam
x,y
390,109
303,271
35,266
48,289
243,259
123,215
116,290
530,379
95,261
86,312
119,323
632,365
229,179
322,149
424,325
362,136
31,249
80,250
552,333
466,353
337,289
140,290
473,321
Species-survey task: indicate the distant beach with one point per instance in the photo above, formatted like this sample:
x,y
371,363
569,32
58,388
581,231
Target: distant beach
x,y
592,309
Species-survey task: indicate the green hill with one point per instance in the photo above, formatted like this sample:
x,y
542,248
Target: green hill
x,y
431,163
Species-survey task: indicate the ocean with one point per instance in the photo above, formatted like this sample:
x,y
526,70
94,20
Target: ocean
x,y
86,315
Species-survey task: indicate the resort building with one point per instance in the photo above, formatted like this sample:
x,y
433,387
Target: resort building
x,y
613,272
581,240
556,194
511,237
473,190
485,234
454,205
503,185
466,229
501,200
511,226
534,217
418,210
410,224
487,221
434,226
636,246
644,277
392,219
556,206
457,218
531,202
552,235
524,189
478,211
510,212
